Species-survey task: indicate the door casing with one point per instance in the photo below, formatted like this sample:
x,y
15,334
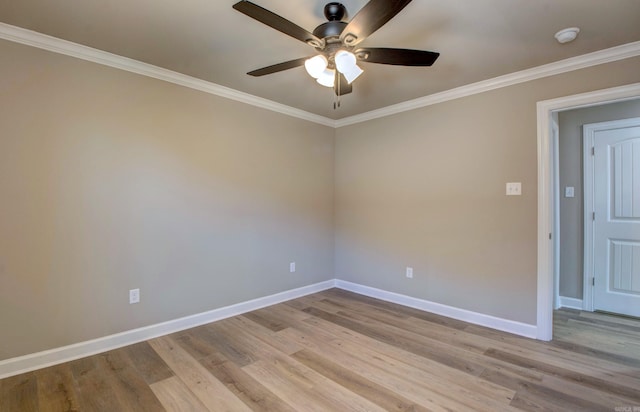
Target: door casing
x,y
547,254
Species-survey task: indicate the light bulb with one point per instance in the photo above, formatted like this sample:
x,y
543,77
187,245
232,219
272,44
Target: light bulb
x,y
316,65
327,78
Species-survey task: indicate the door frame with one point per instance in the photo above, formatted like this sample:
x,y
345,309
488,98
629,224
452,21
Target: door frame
x,y
588,137
555,172
547,255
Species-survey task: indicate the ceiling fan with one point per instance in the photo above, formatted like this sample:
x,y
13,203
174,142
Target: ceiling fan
x,y
336,41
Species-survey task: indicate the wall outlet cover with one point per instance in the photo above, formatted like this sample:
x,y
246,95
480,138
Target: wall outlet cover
x,y
134,296
514,189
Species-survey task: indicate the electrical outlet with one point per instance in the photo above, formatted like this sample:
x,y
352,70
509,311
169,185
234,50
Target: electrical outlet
x,y
514,189
409,273
134,296
292,267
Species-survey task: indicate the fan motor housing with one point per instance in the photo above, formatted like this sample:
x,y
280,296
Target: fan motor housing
x,y
334,12
329,29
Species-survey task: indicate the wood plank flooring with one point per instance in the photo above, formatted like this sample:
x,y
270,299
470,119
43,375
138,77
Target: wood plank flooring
x,y
338,351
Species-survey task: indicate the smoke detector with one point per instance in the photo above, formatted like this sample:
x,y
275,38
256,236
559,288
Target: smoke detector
x,y
567,35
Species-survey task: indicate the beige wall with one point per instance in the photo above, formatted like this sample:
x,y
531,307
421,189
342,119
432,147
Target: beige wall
x,y
111,181
426,189
571,209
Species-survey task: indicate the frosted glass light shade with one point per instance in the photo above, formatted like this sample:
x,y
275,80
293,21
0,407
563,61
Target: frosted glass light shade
x,y
352,74
327,78
345,61
346,64
316,65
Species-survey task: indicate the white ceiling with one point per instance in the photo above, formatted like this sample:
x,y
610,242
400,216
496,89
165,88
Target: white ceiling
x,y
477,39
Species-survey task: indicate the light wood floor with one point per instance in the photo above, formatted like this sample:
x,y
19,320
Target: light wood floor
x,y
337,351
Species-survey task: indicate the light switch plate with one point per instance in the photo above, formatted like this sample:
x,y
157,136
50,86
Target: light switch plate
x,y
514,189
569,191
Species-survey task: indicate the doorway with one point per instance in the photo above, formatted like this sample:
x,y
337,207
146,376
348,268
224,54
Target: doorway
x,y
548,246
575,218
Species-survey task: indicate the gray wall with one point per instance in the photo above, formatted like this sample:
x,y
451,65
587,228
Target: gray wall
x,y
111,181
571,209
426,189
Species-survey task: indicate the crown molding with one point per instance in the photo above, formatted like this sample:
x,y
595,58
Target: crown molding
x,y
612,54
56,45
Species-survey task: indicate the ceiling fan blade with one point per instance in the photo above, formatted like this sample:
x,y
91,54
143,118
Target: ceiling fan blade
x,y
370,18
277,22
343,88
278,67
400,57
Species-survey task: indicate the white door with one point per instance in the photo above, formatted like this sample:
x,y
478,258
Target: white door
x,y
616,219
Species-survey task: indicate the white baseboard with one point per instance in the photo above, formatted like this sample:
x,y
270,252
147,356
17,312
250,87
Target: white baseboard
x,y
571,303
27,363
517,328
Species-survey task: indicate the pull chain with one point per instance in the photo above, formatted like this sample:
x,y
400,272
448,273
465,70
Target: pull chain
x,y
336,99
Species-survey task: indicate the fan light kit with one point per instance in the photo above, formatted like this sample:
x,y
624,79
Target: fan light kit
x,y
335,64
345,63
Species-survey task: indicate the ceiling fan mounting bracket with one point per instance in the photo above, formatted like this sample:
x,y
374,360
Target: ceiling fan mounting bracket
x,y
315,43
350,39
362,55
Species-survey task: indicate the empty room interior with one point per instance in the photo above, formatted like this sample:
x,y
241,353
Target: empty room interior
x,y
320,206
